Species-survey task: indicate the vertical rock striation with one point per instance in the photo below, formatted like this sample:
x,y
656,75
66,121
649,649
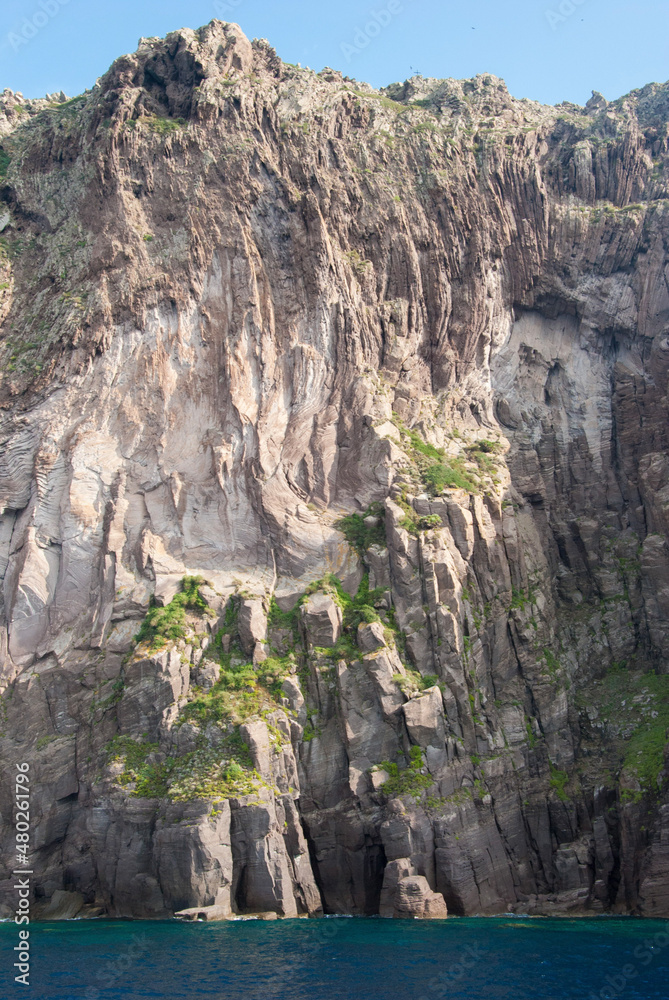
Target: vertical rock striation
x,y
335,492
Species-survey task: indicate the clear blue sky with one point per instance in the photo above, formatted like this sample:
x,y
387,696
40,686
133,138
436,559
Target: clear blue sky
x,y
549,50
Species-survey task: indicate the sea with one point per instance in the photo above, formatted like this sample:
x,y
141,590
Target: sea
x,y
343,958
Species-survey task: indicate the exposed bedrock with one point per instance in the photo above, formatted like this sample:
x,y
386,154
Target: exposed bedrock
x,y
334,484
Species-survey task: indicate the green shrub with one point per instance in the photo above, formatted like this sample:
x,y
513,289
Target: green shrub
x,y
148,779
558,781
429,521
644,750
235,697
408,781
162,126
454,476
412,682
358,535
168,624
207,772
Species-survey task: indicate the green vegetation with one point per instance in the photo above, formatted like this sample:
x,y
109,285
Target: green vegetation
x,y
634,707
44,741
355,610
437,471
428,521
359,535
330,584
146,777
284,619
645,750
558,781
207,772
358,263
311,730
168,624
5,160
111,699
415,523
453,475
385,102
413,683
408,781
521,598
161,126
240,692
552,662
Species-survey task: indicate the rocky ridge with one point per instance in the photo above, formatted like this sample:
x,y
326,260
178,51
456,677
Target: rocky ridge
x,y
334,484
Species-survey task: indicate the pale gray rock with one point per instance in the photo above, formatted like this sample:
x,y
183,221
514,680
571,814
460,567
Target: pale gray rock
x,y
206,674
61,906
424,717
193,856
394,871
414,898
321,620
371,636
227,367
251,624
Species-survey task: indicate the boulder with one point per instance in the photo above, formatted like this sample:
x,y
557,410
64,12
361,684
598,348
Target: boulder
x,y
424,717
321,620
62,906
393,872
414,898
371,636
251,624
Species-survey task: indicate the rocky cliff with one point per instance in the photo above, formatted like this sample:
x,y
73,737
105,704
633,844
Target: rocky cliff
x,y
335,491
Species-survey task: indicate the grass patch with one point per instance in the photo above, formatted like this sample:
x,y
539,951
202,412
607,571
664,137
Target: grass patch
x,y
161,126
208,772
557,782
146,778
359,535
168,624
437,471
634,707
407,781
413,683
355,611
521,599
454,475
385,102
44,741
240,692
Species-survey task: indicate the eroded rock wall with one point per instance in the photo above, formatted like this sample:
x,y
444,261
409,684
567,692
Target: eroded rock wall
x,y
230,293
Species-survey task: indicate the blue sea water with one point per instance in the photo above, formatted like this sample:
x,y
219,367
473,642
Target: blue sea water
x,y
343,959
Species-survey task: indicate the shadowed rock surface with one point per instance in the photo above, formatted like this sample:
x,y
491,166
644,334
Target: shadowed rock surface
x,y
351,405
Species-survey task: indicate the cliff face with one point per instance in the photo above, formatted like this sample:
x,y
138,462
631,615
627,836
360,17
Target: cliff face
x,y
387,372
